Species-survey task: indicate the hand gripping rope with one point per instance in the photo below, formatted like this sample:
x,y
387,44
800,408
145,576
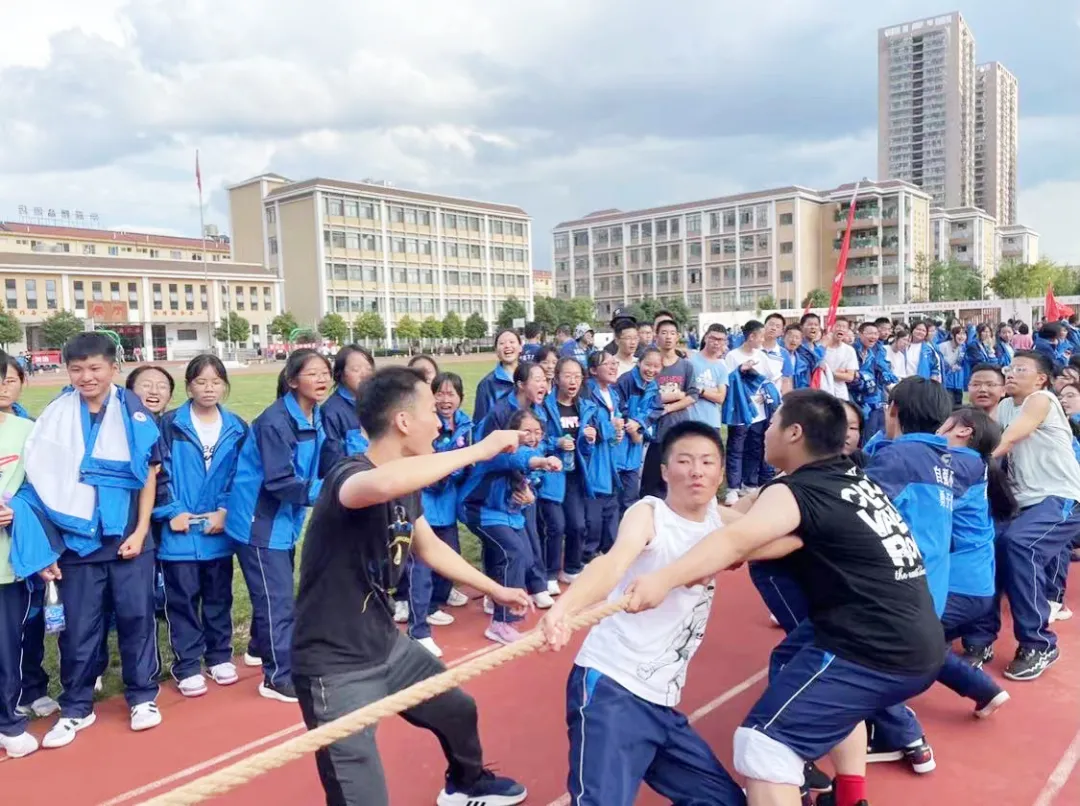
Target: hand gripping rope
x,y
228,778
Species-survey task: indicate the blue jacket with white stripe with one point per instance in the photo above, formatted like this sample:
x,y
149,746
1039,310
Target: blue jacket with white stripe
x,y
972,561
341,424
440,500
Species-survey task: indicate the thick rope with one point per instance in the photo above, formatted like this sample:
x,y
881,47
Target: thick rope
x,y
228,778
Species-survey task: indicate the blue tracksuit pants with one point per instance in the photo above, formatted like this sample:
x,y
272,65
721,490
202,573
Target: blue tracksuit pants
x,y
507,557
269,577
14,609
574,508
198,612
426,589
35,682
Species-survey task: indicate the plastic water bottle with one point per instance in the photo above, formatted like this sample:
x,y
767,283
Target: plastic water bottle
x,y
568,458
54,608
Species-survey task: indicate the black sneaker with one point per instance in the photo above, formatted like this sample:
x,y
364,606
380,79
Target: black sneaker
x,y
976,656
815,780
829,799
282,692
921,757
488,790
1030,663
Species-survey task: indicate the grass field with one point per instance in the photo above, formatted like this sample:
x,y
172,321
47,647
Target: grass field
x,y
252,391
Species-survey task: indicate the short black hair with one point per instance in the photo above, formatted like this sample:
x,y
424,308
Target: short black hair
x,y
922,405
689,428
865,324
984,367
716,327
341,360
199,363
1051,330
663,322
451,378
752,327
89,345
775,315
821,417
806,317
564,330
882,320
1042,361
533,330
624,324
793,326
383,395
11,362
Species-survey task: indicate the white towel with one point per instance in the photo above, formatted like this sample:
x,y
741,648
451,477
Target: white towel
x,y
55,450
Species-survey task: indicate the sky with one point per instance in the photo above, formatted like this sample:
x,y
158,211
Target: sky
x,y
562,107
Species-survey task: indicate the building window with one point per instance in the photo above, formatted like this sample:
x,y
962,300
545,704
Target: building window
x,y
133,296
11,294
156,288
95,291
334,206
786,219
272,242
114,292
239,299
114,251
561,241
253,297
187,335
80,295
786,247
271,215
175,254
787,276
189,297
30,286
352,210
203,299
50,294
267,304
174,297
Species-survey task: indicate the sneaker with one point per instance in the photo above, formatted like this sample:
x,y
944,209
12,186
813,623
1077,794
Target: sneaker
x,y
553,587
1059,611
731,498
457,598
146,715
829,799
430,645
282,692
502,633
814,780
252,660
543,600
18,746
921,757
489,606
99,685
224,674
1030,663
63,732
983,710
401,612
567,579
977,656
194,686
489,790
41,707
440,618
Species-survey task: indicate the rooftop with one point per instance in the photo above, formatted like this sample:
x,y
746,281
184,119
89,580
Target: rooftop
x,y
114,236
131,265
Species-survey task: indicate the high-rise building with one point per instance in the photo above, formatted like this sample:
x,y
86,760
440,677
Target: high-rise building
x,y
926,107
996,117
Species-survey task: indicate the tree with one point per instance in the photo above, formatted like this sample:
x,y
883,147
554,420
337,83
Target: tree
x,y
452,326
233,329
646,309
512,308
59,328
282,325
1019,280
817,298
475,326
766,303
951,280
10,329
431,328
547,313
581,309
369,325
334,328
408,329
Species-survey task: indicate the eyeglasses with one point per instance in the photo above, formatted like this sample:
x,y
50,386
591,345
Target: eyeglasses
x,y
984,385
150,386
316,376
211,383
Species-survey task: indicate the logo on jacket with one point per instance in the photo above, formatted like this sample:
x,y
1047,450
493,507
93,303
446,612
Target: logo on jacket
x,y
138,417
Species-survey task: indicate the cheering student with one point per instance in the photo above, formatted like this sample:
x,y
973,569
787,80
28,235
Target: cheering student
x,y
872,639
986,386
347,653
602,505
344,436
153,385
578,435
500,381
641,397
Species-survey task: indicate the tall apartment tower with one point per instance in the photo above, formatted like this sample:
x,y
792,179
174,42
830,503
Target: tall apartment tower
x,y
996,117
926,107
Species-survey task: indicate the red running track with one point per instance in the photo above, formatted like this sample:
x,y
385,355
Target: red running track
x,y
1025,755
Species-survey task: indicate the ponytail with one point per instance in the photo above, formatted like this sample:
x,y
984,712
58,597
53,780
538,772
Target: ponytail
x,y
985,436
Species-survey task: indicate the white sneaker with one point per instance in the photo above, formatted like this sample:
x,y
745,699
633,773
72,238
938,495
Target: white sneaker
x,y
194,686
146,715
543,600
224,674
553,588
99,686
18,746
440,618
457,598
63,732
745,491
489,606
401,612
41,707
731,498
251,660
567,579
430,645
1059,611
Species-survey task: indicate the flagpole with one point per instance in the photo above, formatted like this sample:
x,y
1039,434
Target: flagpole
x,y
206,266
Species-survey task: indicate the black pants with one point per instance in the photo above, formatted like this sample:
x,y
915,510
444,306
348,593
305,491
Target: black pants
x,y
350,769
652,482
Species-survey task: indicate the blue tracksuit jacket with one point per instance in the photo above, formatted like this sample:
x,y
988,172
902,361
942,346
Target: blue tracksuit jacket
x,y
972,561
440,500
492,388
344,436
641,403
486,494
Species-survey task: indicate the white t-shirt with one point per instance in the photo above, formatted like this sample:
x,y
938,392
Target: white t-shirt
x,y
736,358
648,653
625,366
208,435
841,357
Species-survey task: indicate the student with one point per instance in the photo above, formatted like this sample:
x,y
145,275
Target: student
x,y
534,338
154,386
710,377
986,387
548,358
646,337
574,413
839,358
428,590
347,652
870,388
898,356
92,460
276,481
779,366
921,356
602,505
425,365
641,401
500,381
678,394
343,435
11,387
626,341
200,445
581,347
872,639
627,678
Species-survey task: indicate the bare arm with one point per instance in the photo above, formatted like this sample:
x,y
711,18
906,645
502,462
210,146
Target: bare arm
x,y
132,545
1032,415
845,375
679,405
715,395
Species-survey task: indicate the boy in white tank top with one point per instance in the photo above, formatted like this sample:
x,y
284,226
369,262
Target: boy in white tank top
x,y
629,674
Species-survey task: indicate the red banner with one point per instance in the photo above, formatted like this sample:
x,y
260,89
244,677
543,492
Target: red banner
x,y
838,280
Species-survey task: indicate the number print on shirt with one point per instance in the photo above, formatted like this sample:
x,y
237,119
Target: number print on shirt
x,y
208,454
568,423
877,511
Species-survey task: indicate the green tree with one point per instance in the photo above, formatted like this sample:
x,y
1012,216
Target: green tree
x,y
951,280
548,313
11,330
58,328
369,325
817,298
580,309
452,326
431,328
646,309
475,326
512,308
282,325
407,329
766,303
233,329
334,328
1015,280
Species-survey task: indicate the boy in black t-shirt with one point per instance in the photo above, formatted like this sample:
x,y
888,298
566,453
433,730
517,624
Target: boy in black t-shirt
x,y
347,651
872,638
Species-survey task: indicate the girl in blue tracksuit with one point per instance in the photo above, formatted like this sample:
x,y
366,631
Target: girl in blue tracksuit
x,y
428,590
425,365
344,436
602,507
276,482
500,381
200,444
953,352
643,409
983,349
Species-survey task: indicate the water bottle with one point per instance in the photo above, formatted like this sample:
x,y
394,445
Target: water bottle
x,y
568,458
54,608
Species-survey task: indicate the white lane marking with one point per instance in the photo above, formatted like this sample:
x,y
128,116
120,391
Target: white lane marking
x,y
1058,778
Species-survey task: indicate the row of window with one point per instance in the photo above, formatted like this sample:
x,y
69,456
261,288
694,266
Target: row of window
x,y
370,210
719,221
399,274
97,294
356,304
723,248
346,239
64,247
30,294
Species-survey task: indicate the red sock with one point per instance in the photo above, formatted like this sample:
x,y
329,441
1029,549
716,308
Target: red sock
x,y
849,789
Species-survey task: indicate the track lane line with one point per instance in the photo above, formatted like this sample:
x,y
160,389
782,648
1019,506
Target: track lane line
x,y
1061,773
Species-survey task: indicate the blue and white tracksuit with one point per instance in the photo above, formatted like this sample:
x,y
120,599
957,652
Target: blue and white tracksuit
x,y
642,404
553,524
492,388
603,503
343,435
869,390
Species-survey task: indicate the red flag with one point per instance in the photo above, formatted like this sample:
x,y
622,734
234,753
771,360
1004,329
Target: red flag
x,y
838,280
198,173
1055,311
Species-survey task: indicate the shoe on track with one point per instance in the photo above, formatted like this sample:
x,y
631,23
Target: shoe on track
x,y
1030,663
489,790
252,660
63,732
977,656
145,715
921,757
41,707
984,710
440,618
430,645
224,674
18,746
456,598
282,692
193,686
815,780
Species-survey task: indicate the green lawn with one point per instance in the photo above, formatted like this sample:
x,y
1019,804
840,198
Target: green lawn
x,y
251,393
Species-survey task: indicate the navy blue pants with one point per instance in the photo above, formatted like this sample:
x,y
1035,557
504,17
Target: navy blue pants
x,y
745,454
269,577
574,508
960,611
198,611
507,556
552,531
428,590
14,609
536,577
618,740
1058,574
35,681
126,587
781,593
875,421
602,515
630,491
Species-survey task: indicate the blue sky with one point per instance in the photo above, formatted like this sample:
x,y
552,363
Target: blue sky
x,y
558,106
